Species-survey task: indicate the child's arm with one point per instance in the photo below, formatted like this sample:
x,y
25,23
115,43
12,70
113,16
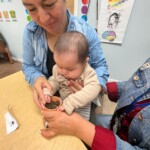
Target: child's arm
x,y
54,86
86,95
47,94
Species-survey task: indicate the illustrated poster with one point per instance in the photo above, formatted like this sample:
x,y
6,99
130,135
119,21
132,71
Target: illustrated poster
x,y
83,6
113,19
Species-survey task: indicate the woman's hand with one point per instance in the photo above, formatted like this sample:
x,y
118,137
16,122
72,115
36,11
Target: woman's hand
x,y
75,86
38,94
58,122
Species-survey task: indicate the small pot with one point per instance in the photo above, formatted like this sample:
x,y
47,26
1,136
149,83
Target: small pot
x,y
55,103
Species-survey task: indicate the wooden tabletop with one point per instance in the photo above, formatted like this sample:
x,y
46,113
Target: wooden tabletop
x,y
16,93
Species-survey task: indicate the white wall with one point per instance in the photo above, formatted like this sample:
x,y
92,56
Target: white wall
x,y
124,59
13,31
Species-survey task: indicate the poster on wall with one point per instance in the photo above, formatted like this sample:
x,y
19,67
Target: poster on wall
x,y
83,7
7,14
3,1
88,11
28,17
113,19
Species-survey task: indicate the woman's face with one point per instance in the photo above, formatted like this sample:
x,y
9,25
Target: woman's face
x,y
49,14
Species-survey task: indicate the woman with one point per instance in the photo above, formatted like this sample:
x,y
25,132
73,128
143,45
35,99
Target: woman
x,y
130,125
50,20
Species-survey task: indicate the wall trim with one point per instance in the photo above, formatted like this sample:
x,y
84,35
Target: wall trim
x,y
16,59
113,80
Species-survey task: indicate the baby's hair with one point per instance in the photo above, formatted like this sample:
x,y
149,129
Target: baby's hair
x,y
73,42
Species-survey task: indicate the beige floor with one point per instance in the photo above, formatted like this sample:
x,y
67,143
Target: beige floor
x,y
107,107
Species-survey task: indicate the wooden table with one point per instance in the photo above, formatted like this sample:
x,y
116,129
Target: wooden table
x,y
17,93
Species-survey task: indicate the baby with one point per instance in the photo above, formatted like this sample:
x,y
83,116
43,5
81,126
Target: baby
x,y
71,57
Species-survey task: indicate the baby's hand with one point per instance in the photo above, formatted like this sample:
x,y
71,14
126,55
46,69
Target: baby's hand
x,y
47,95
61,108
47,98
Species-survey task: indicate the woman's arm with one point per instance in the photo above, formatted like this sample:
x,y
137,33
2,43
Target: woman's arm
x,y
32,66
115,89
29,68
61,123
97,59
96,137
34,53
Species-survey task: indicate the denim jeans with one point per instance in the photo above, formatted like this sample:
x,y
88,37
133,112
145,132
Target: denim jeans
x,y
103,120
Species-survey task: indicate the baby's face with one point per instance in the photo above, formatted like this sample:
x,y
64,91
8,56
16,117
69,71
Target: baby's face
x,y
68,65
